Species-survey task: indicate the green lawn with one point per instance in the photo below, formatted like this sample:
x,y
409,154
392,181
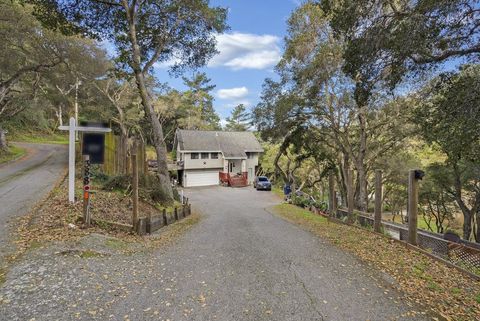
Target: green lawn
x,y
289,210
13,152
41,138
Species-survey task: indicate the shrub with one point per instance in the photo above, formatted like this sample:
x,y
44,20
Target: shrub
x,y
149,187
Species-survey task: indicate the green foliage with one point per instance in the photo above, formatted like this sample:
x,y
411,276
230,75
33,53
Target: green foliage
x,y
450,112
150,188
388,40
239,120
184,29
448,118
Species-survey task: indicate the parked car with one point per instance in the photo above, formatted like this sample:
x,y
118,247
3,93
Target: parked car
x,y
261,182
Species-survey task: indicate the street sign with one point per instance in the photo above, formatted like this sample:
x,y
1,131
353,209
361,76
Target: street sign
x,y
72,129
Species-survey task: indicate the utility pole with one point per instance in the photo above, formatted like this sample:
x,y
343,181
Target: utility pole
x,y
77,83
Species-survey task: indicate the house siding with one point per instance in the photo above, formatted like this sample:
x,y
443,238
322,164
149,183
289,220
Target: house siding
x,y
200,163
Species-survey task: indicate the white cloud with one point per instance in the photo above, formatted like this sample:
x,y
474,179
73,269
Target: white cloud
x,y
241,51
233,93
246,51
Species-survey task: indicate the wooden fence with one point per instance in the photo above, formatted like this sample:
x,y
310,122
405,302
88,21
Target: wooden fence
x,y
151,224
117,156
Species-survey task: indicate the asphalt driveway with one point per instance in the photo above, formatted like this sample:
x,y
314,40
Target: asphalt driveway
x,y
26,181
238,263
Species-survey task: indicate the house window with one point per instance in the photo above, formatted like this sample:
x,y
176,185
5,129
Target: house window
x,y
194,155
204,155
250,155
214,155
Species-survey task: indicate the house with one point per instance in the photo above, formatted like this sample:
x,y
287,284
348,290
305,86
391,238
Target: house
x,y
212,157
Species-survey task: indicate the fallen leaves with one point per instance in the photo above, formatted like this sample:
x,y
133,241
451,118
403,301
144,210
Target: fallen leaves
x,y
444,290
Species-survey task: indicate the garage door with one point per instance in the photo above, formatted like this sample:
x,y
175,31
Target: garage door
x,y
201,178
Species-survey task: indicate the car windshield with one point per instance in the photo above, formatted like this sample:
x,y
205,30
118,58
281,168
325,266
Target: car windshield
x,y
263,179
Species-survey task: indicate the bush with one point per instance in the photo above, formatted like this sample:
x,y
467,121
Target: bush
x,y
149,187
301,201
321,205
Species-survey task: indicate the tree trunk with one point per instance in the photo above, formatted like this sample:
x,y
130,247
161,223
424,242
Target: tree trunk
x,y
3,140
158,141
477,232
360,163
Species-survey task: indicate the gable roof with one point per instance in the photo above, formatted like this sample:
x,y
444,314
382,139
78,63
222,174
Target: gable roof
x,y
231,144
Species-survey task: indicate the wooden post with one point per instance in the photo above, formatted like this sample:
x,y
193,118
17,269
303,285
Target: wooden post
x,y
164,215
350,194
183,211
412,207
331,195
135,189
175,213
378,201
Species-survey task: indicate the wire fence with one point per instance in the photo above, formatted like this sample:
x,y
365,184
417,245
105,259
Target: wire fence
x,y
463,254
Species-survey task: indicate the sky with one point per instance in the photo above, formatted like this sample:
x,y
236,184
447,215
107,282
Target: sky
x,y
248,54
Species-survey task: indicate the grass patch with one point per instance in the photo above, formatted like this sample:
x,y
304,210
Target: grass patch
x,y
116,244
278,191
169,208
12,153
3,276
41,138
292,211
89,254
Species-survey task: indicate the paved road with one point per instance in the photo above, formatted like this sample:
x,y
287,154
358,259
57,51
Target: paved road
x,y
25,181
238,263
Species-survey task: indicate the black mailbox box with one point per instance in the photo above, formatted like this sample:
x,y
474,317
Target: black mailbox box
x,y
94,143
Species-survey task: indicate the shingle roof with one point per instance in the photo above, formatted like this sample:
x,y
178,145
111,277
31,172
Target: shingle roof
x,y
231,144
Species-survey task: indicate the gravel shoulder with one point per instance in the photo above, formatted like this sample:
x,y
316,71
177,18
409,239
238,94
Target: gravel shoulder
x,y
239,262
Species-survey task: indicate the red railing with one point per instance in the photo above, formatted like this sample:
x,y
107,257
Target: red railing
x,y
233,180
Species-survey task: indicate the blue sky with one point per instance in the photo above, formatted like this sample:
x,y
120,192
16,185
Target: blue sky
x,y
248,52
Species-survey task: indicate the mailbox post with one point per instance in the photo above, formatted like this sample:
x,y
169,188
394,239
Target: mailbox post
x,y
72,129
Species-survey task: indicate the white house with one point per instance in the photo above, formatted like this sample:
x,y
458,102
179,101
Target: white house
x,y
212,157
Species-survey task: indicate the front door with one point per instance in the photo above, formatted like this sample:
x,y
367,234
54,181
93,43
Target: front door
x,y
230,166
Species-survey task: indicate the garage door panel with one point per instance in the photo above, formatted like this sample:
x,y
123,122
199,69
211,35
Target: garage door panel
x,y
202,178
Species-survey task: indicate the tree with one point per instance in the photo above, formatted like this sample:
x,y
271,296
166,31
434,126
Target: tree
x,y
316,96
239,120
27,50
436,204
388,40
144,33
197,106
385,41
448,118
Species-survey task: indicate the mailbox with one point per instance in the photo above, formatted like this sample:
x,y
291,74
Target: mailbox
x,y
94,143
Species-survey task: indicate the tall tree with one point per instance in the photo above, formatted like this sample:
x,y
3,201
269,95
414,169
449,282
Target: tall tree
x,y
448,118
387,40
198,104
145,32
239,120
29,53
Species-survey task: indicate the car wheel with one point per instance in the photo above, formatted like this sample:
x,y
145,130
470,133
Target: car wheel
x,y
269,189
